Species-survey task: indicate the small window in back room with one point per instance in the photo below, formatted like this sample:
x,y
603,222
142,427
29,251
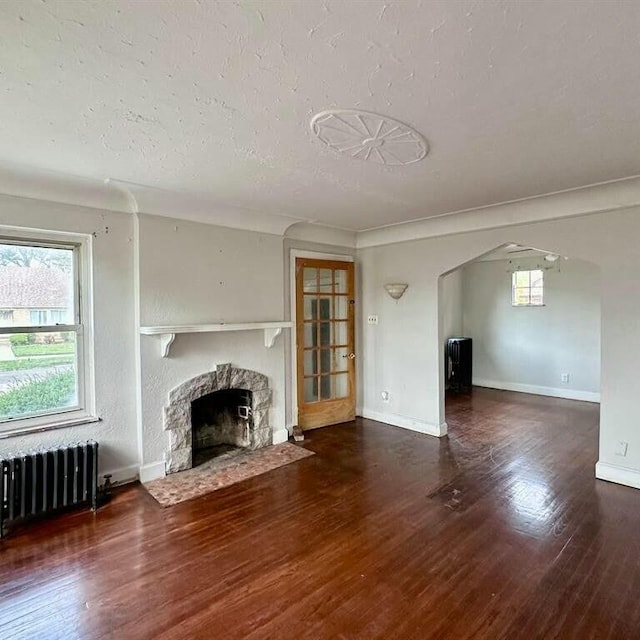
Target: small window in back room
x,y
527,289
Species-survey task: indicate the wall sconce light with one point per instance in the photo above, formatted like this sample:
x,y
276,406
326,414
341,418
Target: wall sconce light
x,y
396,290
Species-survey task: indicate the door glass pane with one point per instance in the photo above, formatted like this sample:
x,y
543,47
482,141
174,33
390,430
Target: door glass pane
x,y
326,280
309,279
310,362
340,385
310,307
340,359
310,389
325,327
340,277
324,307
341,307
325,387
340,333
310,334
325,361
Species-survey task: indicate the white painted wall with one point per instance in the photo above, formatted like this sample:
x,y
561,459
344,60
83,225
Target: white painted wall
x,y
528,348
452,304
114,319
403,353
197,273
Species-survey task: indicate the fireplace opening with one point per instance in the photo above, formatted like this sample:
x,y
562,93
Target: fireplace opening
x,y
221,423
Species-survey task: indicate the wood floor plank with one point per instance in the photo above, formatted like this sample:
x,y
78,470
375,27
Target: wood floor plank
x,y
498,531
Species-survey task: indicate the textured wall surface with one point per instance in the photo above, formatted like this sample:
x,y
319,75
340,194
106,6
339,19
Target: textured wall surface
x,y
535,345
113,334
403,354
193,273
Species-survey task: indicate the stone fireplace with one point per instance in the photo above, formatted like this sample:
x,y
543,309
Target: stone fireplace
x,y
237,399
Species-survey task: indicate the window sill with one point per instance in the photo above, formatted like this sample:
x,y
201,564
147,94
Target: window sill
x,y
48,426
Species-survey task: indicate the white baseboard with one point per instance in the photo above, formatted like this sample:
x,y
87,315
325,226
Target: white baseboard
x,y
121,476
152,471
280,435
619,475
569,394
406,423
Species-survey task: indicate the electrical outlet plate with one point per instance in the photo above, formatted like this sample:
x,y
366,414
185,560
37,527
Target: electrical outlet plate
x,y
385,396
372,319
564,377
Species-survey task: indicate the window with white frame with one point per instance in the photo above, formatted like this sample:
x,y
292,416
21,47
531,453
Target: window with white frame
x,y
44,340
527,288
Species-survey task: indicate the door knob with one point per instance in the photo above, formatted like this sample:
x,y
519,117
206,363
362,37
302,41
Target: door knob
x,y
351,356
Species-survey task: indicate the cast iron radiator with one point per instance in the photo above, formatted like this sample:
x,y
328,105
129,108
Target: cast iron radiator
x,y
43,482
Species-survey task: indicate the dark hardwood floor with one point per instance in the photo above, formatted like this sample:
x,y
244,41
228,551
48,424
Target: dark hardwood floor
x,y
499,531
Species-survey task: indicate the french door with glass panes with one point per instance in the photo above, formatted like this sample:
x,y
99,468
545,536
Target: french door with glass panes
x,y
325,342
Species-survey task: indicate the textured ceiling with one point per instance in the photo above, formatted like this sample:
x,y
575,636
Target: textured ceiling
x,y
214,99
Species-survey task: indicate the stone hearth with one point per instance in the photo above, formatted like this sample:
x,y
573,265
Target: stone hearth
x,y
177,414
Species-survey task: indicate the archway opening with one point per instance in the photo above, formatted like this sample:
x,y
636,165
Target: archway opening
x,y
520,319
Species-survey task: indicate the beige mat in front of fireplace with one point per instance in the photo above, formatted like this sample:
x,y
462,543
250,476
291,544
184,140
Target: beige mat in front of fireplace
x,y
222,472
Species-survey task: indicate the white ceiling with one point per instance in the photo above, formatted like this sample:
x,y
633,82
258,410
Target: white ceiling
x,y
214,99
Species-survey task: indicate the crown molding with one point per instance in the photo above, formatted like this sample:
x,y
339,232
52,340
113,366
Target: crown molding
x,y
322,234
127,197
182,206
51,186
597,198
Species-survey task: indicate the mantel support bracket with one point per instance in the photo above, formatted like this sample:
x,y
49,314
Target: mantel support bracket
x,y
166,340
270,336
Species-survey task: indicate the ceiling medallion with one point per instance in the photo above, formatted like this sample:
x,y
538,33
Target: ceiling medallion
x,y
369,136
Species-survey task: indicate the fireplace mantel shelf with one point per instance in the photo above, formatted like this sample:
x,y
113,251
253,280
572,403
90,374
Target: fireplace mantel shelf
x,y
168,333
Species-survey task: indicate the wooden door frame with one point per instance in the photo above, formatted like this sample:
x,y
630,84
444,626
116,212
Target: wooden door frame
x,y
313,255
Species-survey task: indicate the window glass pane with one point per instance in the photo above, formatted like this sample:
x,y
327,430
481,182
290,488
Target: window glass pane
x,y
6,318
326,280
37,284
340,385
341,307
536,296
339,333
527,288
521,296
340,277
310,389
536,278
38,373
309,279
